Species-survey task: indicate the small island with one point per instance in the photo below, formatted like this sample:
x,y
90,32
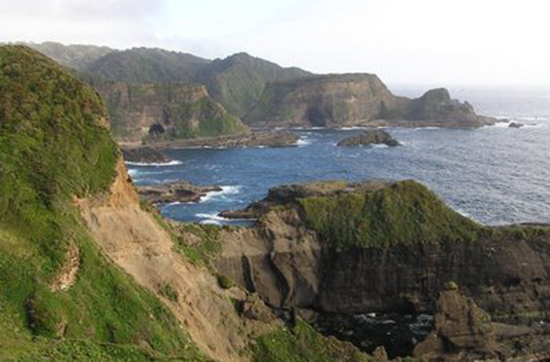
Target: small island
x,y
370,137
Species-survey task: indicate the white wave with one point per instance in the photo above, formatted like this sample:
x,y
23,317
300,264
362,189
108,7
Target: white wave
x,y
133,172
225,191
352,128
505,124
303,141
153,164
212,216
175,203
381,145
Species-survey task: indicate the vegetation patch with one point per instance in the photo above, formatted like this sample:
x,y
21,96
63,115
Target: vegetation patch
x,y
199,244
402,213
55,145
301,343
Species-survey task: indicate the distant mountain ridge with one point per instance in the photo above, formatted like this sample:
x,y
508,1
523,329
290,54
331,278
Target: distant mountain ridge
x,y
265,94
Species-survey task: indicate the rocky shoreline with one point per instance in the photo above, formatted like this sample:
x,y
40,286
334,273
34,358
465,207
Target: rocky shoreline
x,y
181,191
303,256
370,137
268,139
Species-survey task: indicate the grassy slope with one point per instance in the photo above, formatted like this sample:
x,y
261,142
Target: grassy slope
x,y
53,147
302,343
404,212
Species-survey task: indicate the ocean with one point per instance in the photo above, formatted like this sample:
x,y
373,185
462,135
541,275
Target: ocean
x,y
495,175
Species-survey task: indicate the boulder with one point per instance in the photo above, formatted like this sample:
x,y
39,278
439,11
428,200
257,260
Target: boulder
x,y
516,125
460,328
370,137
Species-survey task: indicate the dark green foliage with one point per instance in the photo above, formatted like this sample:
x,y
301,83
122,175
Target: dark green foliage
x,y
225,282
54,146
213,121
141,65
405,212
302,343
169,292
239,80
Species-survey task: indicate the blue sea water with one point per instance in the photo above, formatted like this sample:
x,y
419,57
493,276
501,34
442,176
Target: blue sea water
x,y
495,175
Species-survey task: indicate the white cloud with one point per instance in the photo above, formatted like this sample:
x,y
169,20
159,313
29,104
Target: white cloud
x,y
437,42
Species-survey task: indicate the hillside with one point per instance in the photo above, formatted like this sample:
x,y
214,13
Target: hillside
x,y
337,100
87,272
77,57
151,112
328,101
54,281
146,65
236,81
239,80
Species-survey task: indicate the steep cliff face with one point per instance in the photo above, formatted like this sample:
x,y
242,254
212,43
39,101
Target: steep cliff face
x,y
376,248
327,101
155,112
357,99
436,108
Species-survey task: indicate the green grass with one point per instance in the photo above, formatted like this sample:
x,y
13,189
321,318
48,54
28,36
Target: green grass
x,y
301,343
212,121
203,247
403,213
54,147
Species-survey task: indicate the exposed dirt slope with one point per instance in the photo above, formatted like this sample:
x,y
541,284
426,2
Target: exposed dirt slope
x,y
134,241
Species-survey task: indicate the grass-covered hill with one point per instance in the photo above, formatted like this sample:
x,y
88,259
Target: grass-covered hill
x,y
60,298
236,81
146,65
74,56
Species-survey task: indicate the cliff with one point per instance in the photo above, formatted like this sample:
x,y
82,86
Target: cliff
x,y
356,99
90,273
336,247
435,108
326,101
236,82
161,112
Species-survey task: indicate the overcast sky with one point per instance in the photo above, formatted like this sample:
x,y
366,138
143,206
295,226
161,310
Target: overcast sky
x,y
423,42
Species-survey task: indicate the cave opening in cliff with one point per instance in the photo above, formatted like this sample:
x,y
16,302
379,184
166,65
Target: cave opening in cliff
x,y
156,129
316,117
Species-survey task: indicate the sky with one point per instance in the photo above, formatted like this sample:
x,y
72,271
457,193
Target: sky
x,y
406,42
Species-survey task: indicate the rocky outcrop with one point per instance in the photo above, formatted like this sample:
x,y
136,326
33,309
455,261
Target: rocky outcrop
x,y
272,139
157,112
180,191
357,99
383,248
461,331
516,125
435,108
370,137
325,101
145,155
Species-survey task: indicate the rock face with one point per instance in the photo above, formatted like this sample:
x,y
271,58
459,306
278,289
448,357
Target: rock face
x,y
357,99
253,139
144,155
383,248
461,331
325,101
370,137
175,192
436,108
157,112
516,125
